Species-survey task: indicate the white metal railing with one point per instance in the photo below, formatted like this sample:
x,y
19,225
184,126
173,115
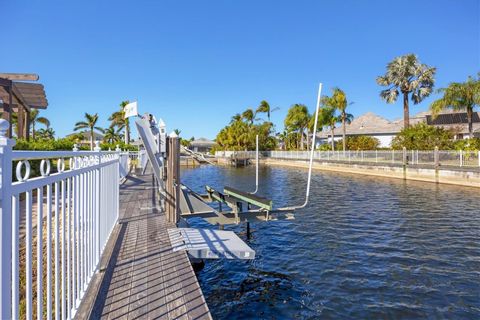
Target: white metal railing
x,y
417,157
56,223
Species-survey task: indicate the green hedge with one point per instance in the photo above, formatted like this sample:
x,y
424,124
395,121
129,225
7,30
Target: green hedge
x,y
65,144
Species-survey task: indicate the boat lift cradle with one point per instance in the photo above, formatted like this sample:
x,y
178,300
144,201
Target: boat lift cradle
x,y
245,207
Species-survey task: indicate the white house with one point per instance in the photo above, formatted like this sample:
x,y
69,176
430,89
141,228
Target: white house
x,y
370,124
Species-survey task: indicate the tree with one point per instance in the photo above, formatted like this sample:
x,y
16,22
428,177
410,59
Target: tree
x,y
240,135
118,119
264,107
46,134
460,96
34,118
248,115
338,101
423,137
330,118
236,117
111,135
408,76
297,120
89,123
177,132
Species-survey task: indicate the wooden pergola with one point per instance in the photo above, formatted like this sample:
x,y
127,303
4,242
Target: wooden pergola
x,y
17,96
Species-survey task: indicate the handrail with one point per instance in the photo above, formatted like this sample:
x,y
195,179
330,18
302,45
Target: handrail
x,y
35,155
79,203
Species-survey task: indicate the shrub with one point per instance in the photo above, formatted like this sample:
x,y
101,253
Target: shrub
x,y
112,146
325,147
64,144
423,137
359,143
472,144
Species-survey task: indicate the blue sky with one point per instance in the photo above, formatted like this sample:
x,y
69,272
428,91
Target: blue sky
x,y
197,63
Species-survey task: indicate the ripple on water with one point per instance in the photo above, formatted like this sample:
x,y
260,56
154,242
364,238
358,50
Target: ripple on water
x,y
365,247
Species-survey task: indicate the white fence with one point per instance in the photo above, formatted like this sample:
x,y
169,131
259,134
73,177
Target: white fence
x,y
56,222
415,157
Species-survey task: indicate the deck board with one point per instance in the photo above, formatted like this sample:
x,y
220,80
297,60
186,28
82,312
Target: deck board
x,y
145,279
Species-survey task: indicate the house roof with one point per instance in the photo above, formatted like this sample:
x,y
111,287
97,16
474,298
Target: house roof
x,y
202,142
373,124
86,135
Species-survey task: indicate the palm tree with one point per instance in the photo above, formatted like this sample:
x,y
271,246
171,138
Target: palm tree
x,y
118,119
297,120
338,101
46,134
264,107
408,76
177,132
249,116
329,118
460,96
91,124
235,118
34,118
111,135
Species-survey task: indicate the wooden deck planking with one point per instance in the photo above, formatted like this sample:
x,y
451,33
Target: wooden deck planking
x,y
145,279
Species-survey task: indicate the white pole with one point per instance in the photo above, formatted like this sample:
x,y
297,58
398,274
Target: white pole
x,y
311,154
256,166
6,146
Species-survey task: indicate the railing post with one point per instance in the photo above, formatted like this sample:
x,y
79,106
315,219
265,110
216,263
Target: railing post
x,y
6,146
478,157
393,156
461,158
405,156
117,184
376,155
97,202
436,158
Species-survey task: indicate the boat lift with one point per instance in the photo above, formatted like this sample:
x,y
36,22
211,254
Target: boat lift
x,y
244,207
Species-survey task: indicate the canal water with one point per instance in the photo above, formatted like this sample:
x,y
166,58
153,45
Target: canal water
x,y
364,248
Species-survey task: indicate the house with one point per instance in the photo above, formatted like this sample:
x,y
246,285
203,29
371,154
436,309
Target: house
x,y
202,145
370,124
83,138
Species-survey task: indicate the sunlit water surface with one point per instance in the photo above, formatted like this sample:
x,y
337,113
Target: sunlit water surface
x,y
364,248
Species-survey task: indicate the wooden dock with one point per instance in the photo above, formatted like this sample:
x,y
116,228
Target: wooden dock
x,y
141,277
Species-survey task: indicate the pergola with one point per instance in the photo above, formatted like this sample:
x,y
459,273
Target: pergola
x,y
20,97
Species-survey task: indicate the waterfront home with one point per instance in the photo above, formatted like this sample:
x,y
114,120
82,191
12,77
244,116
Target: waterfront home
x,y
202,145
83,138
373,125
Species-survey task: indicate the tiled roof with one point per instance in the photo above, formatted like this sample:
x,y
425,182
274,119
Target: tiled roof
x,y
373,124
202,142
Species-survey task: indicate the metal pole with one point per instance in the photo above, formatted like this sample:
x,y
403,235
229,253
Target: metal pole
x,y
256,166
311,153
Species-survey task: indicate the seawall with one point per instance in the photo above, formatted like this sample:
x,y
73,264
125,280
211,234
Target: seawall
x,y
468,177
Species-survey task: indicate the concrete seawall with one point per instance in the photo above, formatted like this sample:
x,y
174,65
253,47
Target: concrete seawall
x,y
469,177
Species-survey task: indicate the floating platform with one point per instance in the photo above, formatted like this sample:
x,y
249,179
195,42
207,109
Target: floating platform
x,y
209,244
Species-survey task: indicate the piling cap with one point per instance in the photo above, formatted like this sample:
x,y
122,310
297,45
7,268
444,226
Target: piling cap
x,y
173,135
